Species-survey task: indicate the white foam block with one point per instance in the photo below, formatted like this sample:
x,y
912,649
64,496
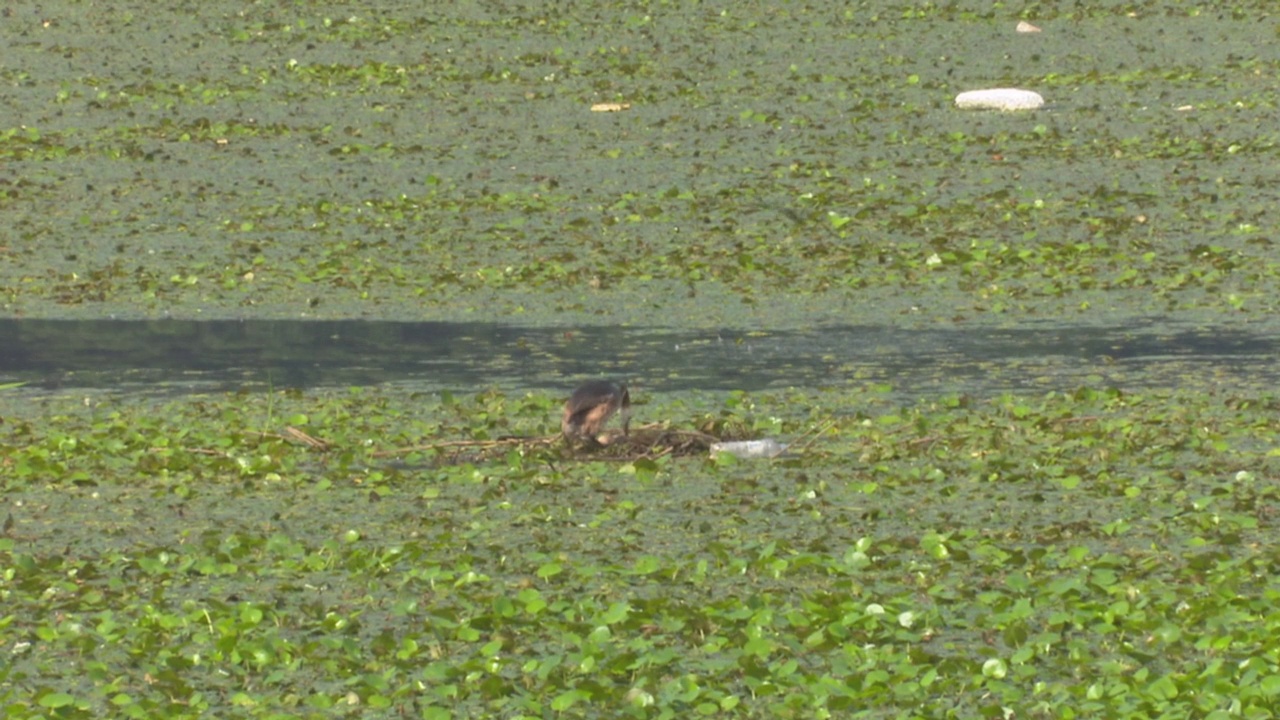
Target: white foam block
x,y
999,99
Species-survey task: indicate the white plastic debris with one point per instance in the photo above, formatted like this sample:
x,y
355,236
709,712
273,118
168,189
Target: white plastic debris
x,y
999,99
1026,27
748,449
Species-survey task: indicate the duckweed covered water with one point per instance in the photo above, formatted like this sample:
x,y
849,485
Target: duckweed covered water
x,y
1096,553
778,167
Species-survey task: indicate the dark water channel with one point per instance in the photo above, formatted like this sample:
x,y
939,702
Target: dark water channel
x,y
169,357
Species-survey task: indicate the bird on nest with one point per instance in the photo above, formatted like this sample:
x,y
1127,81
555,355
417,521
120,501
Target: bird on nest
x,y
590,408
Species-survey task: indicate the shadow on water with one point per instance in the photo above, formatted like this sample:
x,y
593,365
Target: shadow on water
x,y
168,357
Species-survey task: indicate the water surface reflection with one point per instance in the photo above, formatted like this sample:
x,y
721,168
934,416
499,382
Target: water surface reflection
x,y
174,357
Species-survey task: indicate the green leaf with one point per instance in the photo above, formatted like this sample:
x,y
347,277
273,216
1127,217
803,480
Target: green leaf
x,y
56,700
616,613
646,565
1164,688
1270,685
568,699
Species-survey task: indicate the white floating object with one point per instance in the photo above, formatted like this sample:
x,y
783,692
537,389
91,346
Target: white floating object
x,y
1026,27
999,99
748,449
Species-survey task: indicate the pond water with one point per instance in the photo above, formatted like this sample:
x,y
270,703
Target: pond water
x,y
800,170
213,161
173,357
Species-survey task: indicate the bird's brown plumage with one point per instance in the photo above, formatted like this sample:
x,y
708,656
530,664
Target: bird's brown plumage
x,y
591,406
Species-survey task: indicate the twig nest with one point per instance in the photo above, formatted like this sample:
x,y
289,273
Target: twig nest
x,y
999,99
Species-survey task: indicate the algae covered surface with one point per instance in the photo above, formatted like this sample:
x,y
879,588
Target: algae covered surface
x,y
775,164
1098,545
1073,555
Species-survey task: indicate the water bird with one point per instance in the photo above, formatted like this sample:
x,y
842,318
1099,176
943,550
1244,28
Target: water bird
x,y
590,407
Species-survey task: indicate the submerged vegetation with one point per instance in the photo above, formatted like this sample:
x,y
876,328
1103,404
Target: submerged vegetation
x,y
1071,555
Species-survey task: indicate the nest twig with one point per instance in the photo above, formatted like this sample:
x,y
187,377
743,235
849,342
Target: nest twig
x,y
646,441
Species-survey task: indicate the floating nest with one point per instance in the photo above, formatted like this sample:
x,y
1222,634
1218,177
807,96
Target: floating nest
x,y
644,442
650,441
